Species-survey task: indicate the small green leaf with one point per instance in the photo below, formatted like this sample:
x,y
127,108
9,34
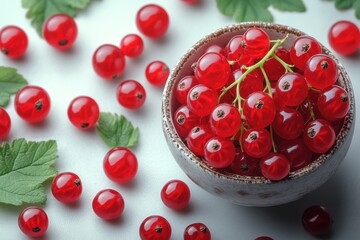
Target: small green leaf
x,y
246,10
24,166
289,5
344,4
10,83
117,131
40,10
357,9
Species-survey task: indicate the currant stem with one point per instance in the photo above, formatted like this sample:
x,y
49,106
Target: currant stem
x,y
311,111
267,81
272,138
284,64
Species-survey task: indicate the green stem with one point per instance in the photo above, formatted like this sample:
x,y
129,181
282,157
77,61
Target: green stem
x,y
267,81
284,64
272,138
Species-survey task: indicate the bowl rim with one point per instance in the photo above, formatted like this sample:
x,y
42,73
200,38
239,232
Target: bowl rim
x,y
171,132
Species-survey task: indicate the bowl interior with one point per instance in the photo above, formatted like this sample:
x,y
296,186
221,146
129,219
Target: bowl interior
x,y
221,37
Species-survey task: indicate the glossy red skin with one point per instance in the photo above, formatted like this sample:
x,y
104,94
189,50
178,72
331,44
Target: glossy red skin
x,y
253,82
296,152
120,165
311,102
317,221
13,41
175,194
257,43
275,166
333,103
202,100
234,49
197,231
108,204
183,87
155,227
5,124
191,1
33,221
108,61
219,152
302,49
288,123
83,112
319,136
66,187
319,77
184,121
132,45
32,103
258,115
213,70
245,165
273,68
344,37
152,20
157,72
256,142
197,138
60,31
292,89
264,238
216,49
131,94
279,104
225,120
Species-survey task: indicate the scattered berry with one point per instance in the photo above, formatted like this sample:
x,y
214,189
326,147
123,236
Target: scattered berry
x,y
108,204
131,94
66,187
175,194
197,231
152,20
264,238
317,220
5,124
132,45
13,41
155,227
33,221
83,112
157,73
344,37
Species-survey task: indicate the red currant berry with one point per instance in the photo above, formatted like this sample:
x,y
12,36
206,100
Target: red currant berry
x,y
132,45
259,109
216,49
264,238
197,138
344,37
319,136
256,142
157,73
13,41
33,221
245,165
108,204
219,152
175,194
120,164
32,103
66,187
83,112
333,103
202,100
185,120
302,49
234,49
197,231
5,124
317,220
190,1
296,152
225,120
275,166
183,87
273,68
60,31
152,20
213,70
292,89
131,94
288,123
253,82
256,43
108,61
321,71
155,227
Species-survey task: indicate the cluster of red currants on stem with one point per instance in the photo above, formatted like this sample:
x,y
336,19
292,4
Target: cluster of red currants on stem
x,y
258,109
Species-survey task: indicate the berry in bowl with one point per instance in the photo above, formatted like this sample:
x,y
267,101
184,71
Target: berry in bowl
x,y
259,114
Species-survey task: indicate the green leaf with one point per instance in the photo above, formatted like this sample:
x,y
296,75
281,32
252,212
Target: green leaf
x,y
117,131
10,83
289,5
344,4
246,10
40,10
24,166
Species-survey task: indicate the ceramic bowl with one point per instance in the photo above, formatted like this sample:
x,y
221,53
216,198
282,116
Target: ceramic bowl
x,y
243,190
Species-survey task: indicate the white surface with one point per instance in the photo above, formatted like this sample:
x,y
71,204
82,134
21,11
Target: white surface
x,y
69,74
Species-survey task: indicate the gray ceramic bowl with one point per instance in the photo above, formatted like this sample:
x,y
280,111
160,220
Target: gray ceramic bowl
x,y
242,190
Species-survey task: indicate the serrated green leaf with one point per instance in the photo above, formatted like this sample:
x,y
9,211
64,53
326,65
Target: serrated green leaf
x,y
357,9
344,4
24,166
117,131
289,5
10,82
245,10
40,10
